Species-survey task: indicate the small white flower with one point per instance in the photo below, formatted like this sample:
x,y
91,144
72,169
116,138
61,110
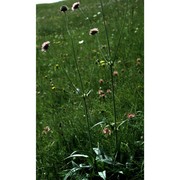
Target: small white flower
x,y
81,42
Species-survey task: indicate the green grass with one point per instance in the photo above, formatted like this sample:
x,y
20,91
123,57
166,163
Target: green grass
x,y
60,105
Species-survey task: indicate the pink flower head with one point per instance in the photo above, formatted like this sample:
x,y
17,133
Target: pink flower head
x,y
130,116
100,92
45,46
106,131
101,81
115,73
93,31
75,6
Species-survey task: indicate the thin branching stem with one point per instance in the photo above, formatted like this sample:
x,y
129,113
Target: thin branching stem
x,y
99,47
119,40
86,17
112,79
81,83
104,22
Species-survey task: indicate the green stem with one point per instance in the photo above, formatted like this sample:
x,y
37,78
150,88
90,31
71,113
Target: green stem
x,y
80,79
109,51
112,79
114,107
82,12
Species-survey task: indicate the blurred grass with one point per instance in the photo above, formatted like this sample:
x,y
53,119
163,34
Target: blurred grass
x,y
59,105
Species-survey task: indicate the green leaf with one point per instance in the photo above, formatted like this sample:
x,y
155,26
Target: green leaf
x,y
74,164
71,172
102,174
97,151
77,155
122,123
99,123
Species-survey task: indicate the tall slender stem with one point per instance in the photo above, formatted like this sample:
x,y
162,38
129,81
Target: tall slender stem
x,y
112,79
81,83
109,51
114,107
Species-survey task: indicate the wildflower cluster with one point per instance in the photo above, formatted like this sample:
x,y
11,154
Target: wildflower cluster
x,y
63,9
104,89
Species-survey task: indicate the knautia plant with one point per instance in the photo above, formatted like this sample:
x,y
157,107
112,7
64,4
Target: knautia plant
x,y
90,90
83,94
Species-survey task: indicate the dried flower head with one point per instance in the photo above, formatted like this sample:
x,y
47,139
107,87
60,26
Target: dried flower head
x,y
75,6
45,46
93,31
130,116
106,131
63,8
46,130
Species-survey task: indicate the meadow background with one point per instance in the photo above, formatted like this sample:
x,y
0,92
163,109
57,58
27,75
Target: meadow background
x,y
90,90
17,94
